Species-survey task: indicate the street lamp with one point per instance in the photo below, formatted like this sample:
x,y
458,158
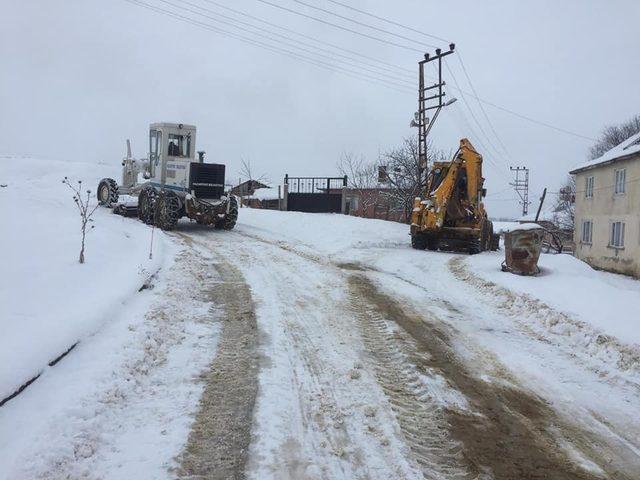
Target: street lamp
x,y
415,120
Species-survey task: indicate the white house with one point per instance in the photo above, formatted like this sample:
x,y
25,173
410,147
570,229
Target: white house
x,y
607,213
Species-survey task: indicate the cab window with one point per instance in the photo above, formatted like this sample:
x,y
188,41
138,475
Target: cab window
x,y
155,140
179,145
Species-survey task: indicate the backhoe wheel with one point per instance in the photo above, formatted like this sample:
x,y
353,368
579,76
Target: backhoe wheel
x,y
231,217
485,236
107,192
147,205
432,244
418,241
167,211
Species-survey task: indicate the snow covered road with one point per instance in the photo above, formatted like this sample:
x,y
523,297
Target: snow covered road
x,y
332,350
378,361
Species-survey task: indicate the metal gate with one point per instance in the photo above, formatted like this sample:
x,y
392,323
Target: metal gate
x,y
314,194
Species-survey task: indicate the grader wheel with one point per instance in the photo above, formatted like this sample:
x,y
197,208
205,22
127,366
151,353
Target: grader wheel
x,y
147,205
230,219
167,211
107,192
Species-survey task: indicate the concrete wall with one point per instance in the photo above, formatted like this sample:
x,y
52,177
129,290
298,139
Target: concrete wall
x,y
604,208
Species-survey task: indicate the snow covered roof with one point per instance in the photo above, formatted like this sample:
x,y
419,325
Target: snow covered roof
x,y
506,227
629,147
266,194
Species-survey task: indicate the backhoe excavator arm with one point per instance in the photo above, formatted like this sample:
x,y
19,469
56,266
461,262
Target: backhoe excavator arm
x,y
473,163
430,212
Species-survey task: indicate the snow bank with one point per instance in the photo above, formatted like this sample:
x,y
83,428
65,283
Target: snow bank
x,y
48,301
607,301
514,227
501,227
324,232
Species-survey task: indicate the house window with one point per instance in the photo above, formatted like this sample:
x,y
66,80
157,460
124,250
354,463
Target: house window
x,y
352,203
587,231
620,179
617,235
588,191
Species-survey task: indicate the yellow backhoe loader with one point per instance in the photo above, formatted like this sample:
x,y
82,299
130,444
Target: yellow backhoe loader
x,y
450,214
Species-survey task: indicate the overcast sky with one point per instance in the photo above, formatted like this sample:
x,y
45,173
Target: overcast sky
x,y
78,77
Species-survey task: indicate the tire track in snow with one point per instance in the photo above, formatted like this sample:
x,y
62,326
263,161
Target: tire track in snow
x,y
218,444
325,422
504,433
420,416
507,433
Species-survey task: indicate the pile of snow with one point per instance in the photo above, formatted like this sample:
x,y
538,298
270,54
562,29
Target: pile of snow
x,y
609,302
324,232
48,301
629,146
505,227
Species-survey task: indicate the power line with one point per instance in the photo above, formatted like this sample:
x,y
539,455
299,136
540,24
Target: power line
x,y
539,122
382,40
275,49
500,191
486,102
473,115
391,22
606,187
478,141
382,30
405,38
309,37
393,78
473,89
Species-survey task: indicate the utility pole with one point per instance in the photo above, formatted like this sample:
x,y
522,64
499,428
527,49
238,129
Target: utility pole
x,y
426,103
544,194
521,186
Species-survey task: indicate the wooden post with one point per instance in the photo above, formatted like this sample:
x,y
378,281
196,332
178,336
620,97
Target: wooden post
x,y
544,194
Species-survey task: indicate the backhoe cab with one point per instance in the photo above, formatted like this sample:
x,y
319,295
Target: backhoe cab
x,y
450,214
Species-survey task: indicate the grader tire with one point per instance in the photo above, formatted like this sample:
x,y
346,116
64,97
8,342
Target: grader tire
x,y
167,211
107,192
230,219
147,205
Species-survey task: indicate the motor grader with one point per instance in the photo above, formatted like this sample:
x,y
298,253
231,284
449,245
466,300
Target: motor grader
x,y
449,214
173,183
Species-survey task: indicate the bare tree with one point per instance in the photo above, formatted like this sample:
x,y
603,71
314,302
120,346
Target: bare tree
x,y
564,206
401,182
362,176
82,202
613,135
403,173
246,172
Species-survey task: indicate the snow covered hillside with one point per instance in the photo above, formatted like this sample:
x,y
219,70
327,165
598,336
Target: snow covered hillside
x,y
48,301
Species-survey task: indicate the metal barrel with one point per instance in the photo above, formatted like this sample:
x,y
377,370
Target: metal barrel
x,y
522,250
